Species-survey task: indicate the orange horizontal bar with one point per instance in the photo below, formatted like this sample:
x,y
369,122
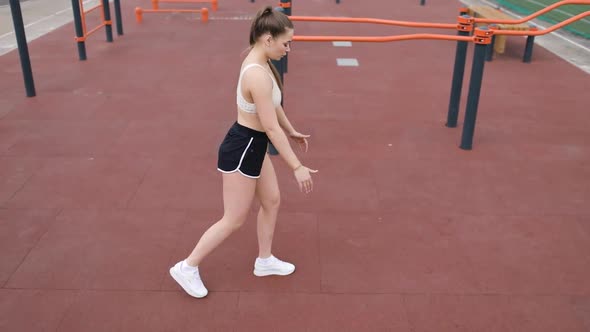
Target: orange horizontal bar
x,y
170,10
382,39
212,2
533,15
544,31
374,21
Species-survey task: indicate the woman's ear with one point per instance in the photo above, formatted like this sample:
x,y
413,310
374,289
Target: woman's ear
x,y
267,40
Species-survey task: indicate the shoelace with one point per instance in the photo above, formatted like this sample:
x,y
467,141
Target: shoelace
x,y
195,274
274,262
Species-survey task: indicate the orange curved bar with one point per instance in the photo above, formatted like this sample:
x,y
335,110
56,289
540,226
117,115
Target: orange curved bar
x,y
533,15
374,21
382,39
544,31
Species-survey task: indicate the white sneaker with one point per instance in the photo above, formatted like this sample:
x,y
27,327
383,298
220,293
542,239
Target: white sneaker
x,y
190,282
274,266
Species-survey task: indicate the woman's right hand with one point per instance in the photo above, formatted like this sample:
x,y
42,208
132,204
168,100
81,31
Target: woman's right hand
x,y
303,176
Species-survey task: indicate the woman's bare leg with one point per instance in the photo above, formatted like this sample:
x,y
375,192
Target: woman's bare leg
x,y
238,193
267,191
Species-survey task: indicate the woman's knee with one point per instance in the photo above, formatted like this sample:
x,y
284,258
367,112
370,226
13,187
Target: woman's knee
x,y
234,221
271,202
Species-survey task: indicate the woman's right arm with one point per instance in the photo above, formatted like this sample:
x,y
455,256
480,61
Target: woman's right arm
x,y
261,85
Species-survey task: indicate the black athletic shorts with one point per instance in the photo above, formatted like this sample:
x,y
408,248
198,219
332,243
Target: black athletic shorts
x,y
242,150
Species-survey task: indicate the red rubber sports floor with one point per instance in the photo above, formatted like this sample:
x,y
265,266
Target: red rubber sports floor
x,y
108,177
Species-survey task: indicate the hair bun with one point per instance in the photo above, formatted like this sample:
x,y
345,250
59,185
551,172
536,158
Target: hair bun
x,y
266,11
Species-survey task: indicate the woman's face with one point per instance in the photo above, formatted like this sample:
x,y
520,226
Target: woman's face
x,y
279,46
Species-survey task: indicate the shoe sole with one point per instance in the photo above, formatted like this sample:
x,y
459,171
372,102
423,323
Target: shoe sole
x,y
265,273
181,283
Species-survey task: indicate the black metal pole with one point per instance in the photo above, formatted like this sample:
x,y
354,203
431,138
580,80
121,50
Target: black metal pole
x,y
457,83
422,2
287,11
279,66
107,17
79,30
272,150
337,1
473,97
23,48
490,49
528,50
285,60
119,17
286,5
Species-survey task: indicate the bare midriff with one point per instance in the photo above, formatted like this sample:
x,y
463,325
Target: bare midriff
x,y
250,120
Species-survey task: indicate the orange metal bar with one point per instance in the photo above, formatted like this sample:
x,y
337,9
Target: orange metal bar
x,y
83,16
434,25
95,29
539,13
465,23
102,12
544,31
478,38
374,21
171,10
204,14
138,15
482,36
139,12
214,3
382,39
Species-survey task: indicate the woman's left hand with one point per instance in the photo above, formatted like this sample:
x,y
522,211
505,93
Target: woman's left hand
x,y
300,139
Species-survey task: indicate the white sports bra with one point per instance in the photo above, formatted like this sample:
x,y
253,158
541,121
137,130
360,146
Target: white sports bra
x,y
249,107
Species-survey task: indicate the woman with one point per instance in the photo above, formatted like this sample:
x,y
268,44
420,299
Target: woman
x,y
247,170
